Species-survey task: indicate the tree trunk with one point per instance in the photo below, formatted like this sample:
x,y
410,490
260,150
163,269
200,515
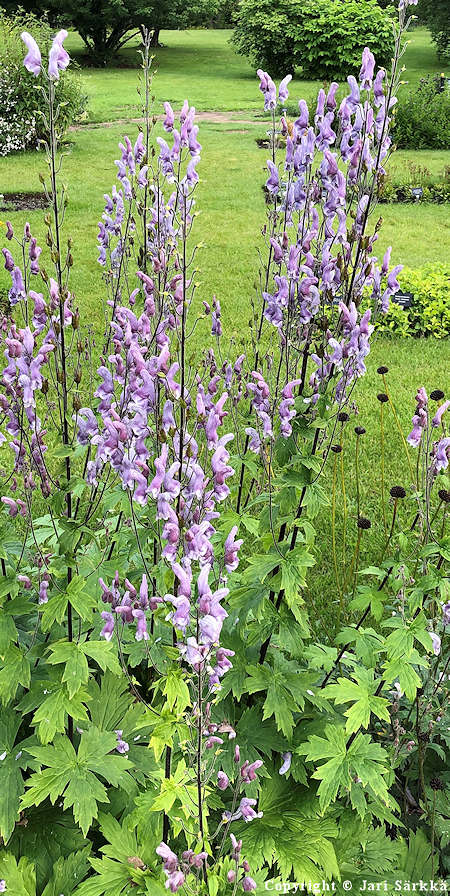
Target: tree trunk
x,y
155,37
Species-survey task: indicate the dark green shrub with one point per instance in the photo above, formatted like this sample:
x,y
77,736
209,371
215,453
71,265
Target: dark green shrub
x,y
21,102
422,116
323,37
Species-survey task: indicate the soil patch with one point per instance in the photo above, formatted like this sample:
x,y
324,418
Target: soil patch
x,y
18,202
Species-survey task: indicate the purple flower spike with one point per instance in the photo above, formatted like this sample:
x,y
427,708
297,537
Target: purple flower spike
x,y
32,61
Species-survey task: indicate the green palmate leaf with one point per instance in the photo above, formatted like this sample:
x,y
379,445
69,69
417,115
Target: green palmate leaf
x,y
14,671
74,775
402,669
19,875
361,694
109,701
51,716
74,654
175,689
369,597
286,690
82,602
363,761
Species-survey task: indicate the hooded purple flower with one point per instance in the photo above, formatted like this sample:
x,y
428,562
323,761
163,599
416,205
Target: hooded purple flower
x,y
32,61
367,69
231,550
287,759
437,419
268,90
58,59
108,628
283,93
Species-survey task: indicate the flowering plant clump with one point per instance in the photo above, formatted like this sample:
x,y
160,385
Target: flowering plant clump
x,y
168,705
23,107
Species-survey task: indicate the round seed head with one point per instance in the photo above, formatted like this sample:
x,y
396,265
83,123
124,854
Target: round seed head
x,y
397,491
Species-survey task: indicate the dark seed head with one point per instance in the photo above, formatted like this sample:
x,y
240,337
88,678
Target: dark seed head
x,y
343,417
382,370
363,523
436,395
336,448
444,495
382,397
397,491
359,430
436,784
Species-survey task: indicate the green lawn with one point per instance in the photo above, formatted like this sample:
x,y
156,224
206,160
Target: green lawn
x,y
202,66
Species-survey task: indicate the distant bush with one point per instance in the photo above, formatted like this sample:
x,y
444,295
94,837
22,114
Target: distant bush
x,y
323,37
436,15
422,117
21,101
429,314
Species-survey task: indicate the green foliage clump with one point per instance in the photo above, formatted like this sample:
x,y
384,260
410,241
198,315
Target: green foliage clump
x,y
422,117
430,311
436,15
21,102
323,37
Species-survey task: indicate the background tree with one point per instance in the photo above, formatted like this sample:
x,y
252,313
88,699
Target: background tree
x,y
107,25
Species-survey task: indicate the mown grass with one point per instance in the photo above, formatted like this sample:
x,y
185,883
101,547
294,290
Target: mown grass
x,y
203,66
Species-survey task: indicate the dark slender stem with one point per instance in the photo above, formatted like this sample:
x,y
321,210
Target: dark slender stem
x,y
281,537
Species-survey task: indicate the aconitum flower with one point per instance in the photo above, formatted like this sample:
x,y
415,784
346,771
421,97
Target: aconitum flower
x,y
248,884
436,641
222,780
169,858
32,61
108,628
268,90
437,419
273,181
287,759
283,93
122,746
446,613
11,505
367,69
58,59
441,453
231,550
